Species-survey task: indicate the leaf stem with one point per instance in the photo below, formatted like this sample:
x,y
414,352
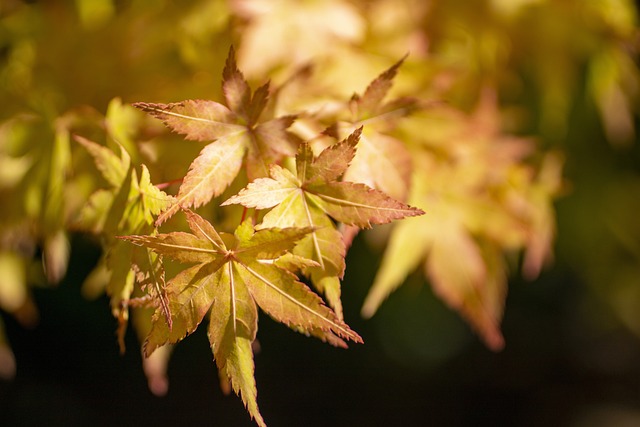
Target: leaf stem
x,y
164,185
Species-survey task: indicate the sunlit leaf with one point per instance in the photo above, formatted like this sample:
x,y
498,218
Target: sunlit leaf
x,y
233,130
313,196
231,278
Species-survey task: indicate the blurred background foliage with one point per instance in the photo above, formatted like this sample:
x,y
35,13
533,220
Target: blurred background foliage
x,y
561,75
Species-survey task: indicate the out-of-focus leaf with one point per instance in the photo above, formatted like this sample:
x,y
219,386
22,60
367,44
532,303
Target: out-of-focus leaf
x,y
112,167
13,286
481,199
56,256
122,121
95,13
318,28
94,285
613,82
7,358
13,170
154,366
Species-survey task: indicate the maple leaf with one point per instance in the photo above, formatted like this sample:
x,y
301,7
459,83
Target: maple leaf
x,y
313,196
381,161
482,201
232,276
319,28
452,259
370,103
316,184
130,206
234,133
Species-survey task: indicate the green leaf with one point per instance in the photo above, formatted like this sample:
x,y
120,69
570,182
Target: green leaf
x,y
113,168
128,207
13,284
122,121
120,285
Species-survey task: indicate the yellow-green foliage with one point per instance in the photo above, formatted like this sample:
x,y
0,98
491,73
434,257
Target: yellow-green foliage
x,y
332,115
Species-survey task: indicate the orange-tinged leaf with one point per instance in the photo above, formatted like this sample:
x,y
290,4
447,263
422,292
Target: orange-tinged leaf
x,y
197,120
233,132
381,162
291,302
347,202
191,293
266,193
209,175
56,251
331,163
179,246
313,196
258,103
358,204
232,328
155,369
371,101
7,358
547,185
318,28
482,200
203,229
272,137
234,275
236,90
460,278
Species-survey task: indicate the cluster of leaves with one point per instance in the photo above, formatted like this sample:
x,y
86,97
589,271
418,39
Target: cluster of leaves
x,y
257,265
302,164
